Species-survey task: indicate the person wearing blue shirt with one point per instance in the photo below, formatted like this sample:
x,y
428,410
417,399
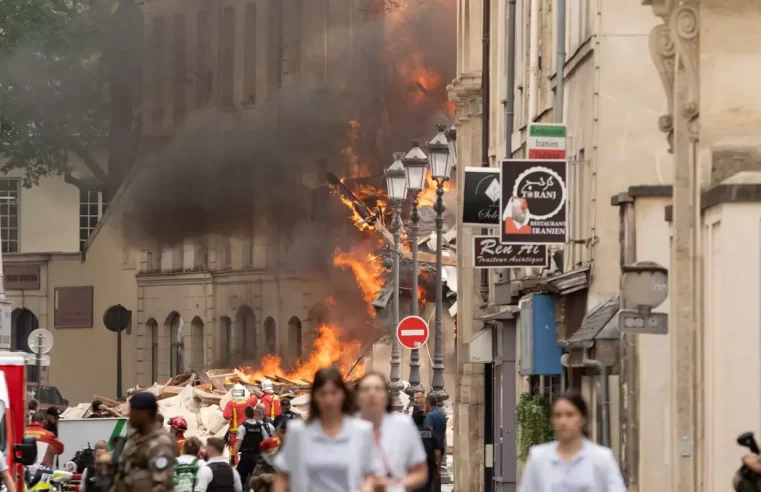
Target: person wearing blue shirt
x,y
436,420
571,463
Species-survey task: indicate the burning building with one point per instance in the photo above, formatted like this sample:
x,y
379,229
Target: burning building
x,y
226,240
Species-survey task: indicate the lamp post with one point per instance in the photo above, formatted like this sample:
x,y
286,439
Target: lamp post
x,y
396,181
441,161
415,165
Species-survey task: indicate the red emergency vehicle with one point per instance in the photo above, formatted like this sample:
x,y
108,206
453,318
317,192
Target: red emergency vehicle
x,y
18,450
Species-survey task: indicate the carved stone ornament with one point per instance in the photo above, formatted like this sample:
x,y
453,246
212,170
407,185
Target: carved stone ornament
x,y
677,40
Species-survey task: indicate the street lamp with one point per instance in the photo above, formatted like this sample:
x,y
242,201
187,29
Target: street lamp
x,y
415,165
396,182
441,161
451,135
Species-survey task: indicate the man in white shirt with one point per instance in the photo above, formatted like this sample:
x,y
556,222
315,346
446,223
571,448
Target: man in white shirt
x,y
7,477
218,475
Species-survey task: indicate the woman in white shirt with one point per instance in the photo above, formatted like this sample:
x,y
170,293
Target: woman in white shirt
x,y
400,454
332,451
571,463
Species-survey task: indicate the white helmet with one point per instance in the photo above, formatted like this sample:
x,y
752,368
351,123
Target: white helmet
x,y
239,392
267,386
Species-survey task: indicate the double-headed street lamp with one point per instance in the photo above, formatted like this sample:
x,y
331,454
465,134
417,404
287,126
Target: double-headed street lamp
x,y
441,160
415,165
396,182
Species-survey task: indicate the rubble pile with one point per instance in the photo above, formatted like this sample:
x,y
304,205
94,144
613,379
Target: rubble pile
x,y
200,399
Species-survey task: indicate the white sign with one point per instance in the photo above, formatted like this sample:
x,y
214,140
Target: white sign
x,y
5,325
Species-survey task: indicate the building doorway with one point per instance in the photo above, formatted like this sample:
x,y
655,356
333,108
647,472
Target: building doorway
x,y
24,322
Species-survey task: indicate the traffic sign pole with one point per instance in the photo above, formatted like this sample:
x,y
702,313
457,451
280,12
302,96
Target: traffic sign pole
x,y
39,363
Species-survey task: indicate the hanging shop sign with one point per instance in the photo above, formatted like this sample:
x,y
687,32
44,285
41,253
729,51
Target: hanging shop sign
x,y
534,201
488,252
546,141
481,194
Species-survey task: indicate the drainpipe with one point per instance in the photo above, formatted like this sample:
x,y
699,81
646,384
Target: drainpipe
x,y
560,77
604,397
533,86
510,106
488,476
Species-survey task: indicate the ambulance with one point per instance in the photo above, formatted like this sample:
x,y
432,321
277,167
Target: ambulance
x,y
17,450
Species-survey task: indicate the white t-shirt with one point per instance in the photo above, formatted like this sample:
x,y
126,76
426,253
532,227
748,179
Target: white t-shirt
x,y
401,448
3,464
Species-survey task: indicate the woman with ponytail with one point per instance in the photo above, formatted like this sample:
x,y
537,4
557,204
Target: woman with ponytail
x,y
571,463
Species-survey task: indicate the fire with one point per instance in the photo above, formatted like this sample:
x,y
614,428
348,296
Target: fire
x,y
427,196
367,271
328,350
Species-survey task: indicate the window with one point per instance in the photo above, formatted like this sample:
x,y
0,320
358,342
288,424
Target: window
x,y
249,66
203,74
9,193
179,69
92,205
159,27
227,58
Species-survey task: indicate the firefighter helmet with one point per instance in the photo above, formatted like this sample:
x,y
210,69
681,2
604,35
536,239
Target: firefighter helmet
x,y
239,392
179,424
267,386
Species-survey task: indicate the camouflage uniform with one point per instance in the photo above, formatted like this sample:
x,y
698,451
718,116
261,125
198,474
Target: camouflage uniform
x,y
147,463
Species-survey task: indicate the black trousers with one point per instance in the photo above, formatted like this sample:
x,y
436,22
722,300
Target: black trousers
x,y
246,465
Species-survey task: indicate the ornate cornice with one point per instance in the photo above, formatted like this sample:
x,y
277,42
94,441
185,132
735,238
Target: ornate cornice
x,y
676,41
465,93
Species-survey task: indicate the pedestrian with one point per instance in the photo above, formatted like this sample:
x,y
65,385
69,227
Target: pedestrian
x,y
8,480
36,429
33,407
218,475
53,415
147,462
250,435
187,465
264,473
400,454
416,403
286,413
436,420
95,470
332,451
571,462
100,411
433,458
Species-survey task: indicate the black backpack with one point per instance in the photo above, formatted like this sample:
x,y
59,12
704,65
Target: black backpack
x,y
84,459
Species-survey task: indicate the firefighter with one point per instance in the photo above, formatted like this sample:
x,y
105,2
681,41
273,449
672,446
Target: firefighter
x,y
270,400
177,427
234,413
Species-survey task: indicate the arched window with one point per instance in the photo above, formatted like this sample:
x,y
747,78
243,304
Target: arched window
x,y
245,327
24,322
225,346
196,344
270,335
177,346
153,331
295,340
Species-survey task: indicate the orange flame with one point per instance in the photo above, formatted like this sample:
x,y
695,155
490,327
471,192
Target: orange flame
x,y
367,271
328,350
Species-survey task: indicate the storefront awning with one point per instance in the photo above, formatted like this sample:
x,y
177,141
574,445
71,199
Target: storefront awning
x,y
600,323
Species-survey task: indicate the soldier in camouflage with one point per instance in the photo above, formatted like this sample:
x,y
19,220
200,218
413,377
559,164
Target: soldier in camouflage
x,y
147,462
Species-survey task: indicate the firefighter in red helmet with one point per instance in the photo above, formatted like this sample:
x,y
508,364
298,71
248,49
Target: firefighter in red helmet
x,y
177,427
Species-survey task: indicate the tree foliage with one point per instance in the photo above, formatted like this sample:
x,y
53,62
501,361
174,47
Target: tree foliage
x,y
55,97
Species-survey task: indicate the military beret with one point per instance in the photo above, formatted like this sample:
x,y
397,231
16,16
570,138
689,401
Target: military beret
x,y
143,400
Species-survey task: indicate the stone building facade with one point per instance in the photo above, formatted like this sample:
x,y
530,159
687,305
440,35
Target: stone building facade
x,y
611,95
707,55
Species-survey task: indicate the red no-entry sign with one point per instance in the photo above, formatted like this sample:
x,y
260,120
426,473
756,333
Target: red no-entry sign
x,y
412,332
